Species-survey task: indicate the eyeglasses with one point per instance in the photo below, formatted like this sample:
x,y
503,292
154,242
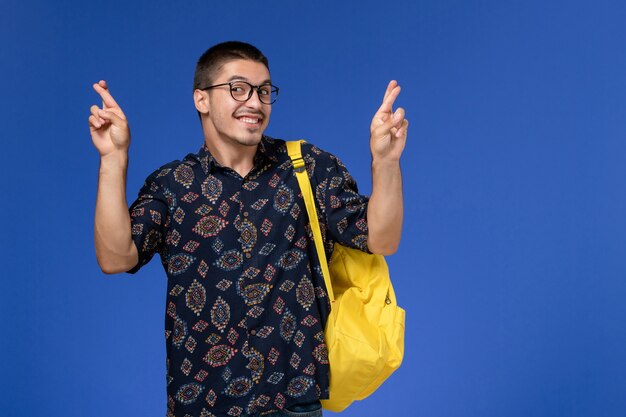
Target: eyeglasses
x,y
242,91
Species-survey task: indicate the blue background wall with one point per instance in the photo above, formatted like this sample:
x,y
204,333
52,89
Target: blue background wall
x,y
512,263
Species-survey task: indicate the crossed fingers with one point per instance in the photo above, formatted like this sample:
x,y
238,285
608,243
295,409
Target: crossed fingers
x,y
393,89
110,111
385,118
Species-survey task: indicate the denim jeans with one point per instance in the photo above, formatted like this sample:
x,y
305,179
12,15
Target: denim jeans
x,y
311,409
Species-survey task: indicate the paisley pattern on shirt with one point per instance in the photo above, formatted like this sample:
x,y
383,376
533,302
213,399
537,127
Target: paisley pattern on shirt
x,y
246,301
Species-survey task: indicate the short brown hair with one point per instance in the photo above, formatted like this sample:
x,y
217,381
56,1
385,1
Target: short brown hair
x,y
215,57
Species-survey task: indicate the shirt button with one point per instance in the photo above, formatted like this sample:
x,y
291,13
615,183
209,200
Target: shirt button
x,y
246,214
248,256
252,332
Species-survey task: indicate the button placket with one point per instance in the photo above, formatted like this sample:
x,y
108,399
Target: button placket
x,y
244,211
248,236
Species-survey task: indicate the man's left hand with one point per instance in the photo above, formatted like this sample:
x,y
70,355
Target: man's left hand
x,y
388,129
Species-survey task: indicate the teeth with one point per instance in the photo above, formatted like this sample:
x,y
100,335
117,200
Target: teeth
x,y
249,120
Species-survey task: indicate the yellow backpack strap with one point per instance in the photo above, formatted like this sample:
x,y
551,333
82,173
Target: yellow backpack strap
x,y
295,153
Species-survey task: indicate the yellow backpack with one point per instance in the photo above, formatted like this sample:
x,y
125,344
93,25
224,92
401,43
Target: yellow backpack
x,y
365,330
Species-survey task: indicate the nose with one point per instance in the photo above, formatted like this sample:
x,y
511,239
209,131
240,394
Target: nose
x,y
254,101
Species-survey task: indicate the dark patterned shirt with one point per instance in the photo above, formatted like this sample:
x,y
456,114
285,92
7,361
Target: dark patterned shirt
x,y
246,300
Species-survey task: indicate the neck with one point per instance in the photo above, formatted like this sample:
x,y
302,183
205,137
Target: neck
x,y
239,158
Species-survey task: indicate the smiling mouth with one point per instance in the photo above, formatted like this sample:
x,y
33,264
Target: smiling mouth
x,y
250,120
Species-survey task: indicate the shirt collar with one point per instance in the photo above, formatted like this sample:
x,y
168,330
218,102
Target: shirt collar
x,y
265,154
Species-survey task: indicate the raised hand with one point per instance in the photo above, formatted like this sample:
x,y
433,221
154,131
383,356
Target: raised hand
x,y
108,125
388,129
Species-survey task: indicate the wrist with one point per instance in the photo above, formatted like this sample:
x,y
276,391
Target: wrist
x,y
386,175
385,163
114,161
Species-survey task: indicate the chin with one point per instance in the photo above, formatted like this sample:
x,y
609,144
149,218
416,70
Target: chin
x,y
250,140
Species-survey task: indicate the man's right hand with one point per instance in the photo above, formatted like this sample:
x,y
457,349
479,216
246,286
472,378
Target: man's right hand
x,y
115,249
108,125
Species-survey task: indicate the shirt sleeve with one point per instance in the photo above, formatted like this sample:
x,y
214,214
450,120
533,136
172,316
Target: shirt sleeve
x,y
344,209
150,219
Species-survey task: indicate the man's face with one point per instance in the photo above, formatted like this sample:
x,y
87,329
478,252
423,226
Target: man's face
x,y
232,122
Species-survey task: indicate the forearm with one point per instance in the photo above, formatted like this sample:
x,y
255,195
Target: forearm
x,y
385,209
115,249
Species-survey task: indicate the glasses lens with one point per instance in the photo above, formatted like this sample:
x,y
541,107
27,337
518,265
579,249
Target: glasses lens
x,y
268,93
240,91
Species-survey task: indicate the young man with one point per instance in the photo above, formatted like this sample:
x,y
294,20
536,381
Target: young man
x,y
246,302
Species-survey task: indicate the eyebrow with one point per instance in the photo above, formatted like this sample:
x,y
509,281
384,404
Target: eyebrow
x,y
242,78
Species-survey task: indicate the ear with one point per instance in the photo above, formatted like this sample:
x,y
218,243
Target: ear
x,y
201,100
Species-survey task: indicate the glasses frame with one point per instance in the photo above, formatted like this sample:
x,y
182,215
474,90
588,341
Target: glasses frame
x,y
252,88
